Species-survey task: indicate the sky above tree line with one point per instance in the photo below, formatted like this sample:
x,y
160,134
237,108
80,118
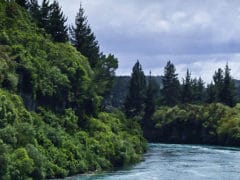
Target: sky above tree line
x,y
199,35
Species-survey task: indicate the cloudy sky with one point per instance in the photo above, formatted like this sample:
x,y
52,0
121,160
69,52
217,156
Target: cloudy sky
x,y
199,35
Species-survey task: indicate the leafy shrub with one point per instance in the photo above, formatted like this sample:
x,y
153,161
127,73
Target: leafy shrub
x,y
211,124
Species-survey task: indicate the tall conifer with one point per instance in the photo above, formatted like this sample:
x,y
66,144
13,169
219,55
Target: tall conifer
x,y
171,85
187,94
210,95
134,103
84,39
57,20
23,3
218,79
150,101
229,96
85,42
43,20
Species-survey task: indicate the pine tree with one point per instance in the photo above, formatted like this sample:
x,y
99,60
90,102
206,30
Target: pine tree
x,y
171,85
150,102
210,96
197,90
105,73
34,10
134,104
85,42
43,19
57,27
218,79
187,94
23,3
84,39
229,96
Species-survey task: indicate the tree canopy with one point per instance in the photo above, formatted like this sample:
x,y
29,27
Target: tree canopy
x,y
84,39
50,120
134,103
171,86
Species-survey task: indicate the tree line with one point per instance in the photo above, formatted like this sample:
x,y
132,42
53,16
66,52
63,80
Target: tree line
x,y
50,17
143,97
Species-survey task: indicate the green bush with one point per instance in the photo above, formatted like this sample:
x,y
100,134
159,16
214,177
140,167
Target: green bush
x,y
211,124
52,145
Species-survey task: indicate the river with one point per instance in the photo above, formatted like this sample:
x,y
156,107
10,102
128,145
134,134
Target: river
x,y
179,162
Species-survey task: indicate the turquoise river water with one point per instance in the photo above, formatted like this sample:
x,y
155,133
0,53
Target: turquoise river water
x,y
179,162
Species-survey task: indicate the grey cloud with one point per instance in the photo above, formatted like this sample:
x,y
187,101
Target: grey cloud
x,y
188,32
177,26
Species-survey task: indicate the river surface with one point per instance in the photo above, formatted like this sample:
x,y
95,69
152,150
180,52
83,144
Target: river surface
x,y
179,162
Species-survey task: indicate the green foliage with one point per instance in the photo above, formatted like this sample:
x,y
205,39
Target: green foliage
x,y
171,86
51,18
228,90
198,90
134,103
223,90
218,79
22,164
209,124
8,77
23,3
210,94
43,72
42,14
50,125
152,95
187,90
105,73
49,145
84,39
192,90
85,42
57,27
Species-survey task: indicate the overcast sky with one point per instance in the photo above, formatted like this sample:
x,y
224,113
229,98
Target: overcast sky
x,y
199,35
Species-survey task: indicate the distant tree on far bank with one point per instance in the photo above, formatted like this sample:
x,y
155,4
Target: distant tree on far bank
x,y
134,103
152,95
187,89
171,86
223,90
228,91
198,90
218,79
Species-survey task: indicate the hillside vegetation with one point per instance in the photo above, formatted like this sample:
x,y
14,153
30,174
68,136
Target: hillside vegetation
x,y
51,124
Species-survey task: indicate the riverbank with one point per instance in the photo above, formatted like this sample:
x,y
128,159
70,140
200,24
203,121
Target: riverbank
x,y
213,124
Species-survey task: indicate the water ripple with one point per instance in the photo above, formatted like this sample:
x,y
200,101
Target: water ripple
x,y
182,162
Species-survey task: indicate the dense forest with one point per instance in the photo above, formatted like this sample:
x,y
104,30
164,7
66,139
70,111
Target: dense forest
x,y
183,112
52,86
119,91
63,111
